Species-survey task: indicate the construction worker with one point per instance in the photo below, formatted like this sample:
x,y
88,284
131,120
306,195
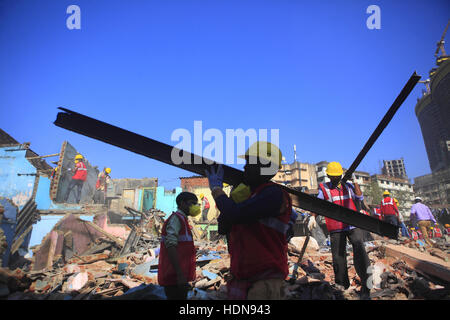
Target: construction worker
x,y
54,171
377,213
447,229
177,251
255,219
291,223
436,231
78,178
3,242
205,207
414,234
344,195
389,210
422,216
404,229
101,186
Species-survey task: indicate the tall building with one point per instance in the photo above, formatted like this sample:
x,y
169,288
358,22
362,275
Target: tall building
x,y
394,168
433,113
434,189
297,175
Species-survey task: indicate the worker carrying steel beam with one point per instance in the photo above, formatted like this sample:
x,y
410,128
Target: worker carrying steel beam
x,y
78,178
177,254
344,195
101,186
255,219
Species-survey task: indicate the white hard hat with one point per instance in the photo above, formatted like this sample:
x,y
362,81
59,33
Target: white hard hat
x,y
418,198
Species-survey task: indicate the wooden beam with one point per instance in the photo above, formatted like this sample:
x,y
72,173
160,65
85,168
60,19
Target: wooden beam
x,y
110,236
421,262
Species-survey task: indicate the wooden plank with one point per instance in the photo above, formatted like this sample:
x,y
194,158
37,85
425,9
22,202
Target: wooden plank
x,y
110,236
421,262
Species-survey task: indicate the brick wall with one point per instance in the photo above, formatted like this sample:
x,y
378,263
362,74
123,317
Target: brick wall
x,y
192,183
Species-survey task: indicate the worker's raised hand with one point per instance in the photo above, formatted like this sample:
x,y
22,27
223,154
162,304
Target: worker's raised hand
x,y
312,223
215,176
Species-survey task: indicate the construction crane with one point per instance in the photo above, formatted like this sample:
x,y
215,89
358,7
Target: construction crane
x,y
440,47
427,84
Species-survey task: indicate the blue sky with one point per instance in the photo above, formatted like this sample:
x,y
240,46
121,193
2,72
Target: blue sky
x,y
311,69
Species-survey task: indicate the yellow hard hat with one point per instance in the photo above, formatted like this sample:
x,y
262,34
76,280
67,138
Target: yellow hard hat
x,y
201,195
108,170
225,184
78,157
334,169
265,151
396,201
386,193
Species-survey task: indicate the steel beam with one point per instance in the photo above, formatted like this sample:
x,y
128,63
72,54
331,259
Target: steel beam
x,y
153,149
383,124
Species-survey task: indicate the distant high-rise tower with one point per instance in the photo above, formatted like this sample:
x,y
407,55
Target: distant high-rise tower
x,y
394,168
433,111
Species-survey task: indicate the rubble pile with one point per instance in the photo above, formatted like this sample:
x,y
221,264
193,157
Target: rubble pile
x,y
391,278
119,262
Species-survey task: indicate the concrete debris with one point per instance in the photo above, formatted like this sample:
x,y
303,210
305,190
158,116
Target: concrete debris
x,y
77,261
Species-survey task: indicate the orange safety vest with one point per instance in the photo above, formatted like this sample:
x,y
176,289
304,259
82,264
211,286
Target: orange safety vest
x,y
261,246
437,232
80,171
167,275
342,197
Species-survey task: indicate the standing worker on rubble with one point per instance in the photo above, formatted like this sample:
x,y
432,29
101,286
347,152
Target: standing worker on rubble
x,y
389,209
101,187
205,207
3,242
78,178
422,216
255,220
344,195
177,251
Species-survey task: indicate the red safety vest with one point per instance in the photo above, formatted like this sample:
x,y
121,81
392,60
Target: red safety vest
x,y
414,235
261,247
437,232
365,212
342,197
388,207
167,275
101,181
377,213
419,233
81,171
206,203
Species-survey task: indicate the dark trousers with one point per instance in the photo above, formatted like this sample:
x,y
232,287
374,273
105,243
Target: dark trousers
x,y
77,184
205,214
339,253
176,292
392,219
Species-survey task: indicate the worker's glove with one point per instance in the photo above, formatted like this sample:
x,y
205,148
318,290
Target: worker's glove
x,y
215,177
241,193
312,223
